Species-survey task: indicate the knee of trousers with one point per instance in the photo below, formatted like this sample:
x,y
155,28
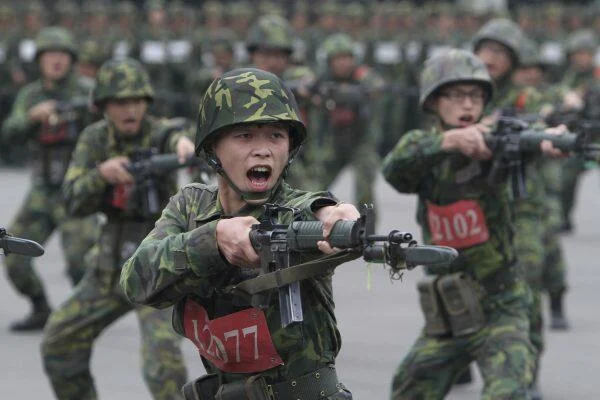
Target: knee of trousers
x,y
163,358
63,352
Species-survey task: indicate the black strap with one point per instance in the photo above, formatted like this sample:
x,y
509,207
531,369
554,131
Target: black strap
x,y
282,277
315,385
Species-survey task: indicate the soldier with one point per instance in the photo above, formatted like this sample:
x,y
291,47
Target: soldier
x,y
498,44
91,57
348,126
126,32
98,180
248,127
49,112
485,298
581,48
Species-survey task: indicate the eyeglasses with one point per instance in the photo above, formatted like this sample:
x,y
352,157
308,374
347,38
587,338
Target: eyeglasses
x,y
476,96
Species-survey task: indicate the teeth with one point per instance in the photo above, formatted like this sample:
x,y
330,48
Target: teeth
x,y
260,169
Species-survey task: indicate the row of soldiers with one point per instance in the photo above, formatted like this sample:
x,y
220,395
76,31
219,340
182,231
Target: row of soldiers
x,y
341,106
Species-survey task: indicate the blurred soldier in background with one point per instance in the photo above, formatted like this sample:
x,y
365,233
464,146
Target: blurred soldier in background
x,y
49,113
348,124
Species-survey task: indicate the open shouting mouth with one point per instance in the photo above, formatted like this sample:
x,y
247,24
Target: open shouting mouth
x,y
259,177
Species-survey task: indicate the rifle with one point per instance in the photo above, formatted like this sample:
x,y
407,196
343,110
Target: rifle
x,y
147,168
10,244
513,140
281,246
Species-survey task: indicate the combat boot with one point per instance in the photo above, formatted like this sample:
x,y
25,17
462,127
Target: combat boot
x,y
558,320
534,392
36,320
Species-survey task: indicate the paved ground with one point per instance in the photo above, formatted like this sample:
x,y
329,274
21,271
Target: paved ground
x,y
378,325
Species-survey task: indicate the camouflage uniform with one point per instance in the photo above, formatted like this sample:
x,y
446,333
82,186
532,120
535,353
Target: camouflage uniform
x,y
179,261
499,339
43,211
97,302
578,81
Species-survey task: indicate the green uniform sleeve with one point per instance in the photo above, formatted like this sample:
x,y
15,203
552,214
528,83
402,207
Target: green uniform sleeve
x,y
17,126
172,262
410,161
83,186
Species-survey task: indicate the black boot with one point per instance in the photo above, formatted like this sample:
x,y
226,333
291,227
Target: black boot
x,y
36,320
558,320
465,377
534,392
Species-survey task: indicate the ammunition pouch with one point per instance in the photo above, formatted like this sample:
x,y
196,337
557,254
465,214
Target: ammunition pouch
x,y
436,323
462,302
314,385
50,168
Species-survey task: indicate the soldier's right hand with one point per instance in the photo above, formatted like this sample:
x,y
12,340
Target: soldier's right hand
x,y
42,111
469,141
114,170
233,239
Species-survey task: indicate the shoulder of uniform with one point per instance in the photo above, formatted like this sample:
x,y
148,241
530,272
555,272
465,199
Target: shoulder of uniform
x,y
85,82
196,186
98,126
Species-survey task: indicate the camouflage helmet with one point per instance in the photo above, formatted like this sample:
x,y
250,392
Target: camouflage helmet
x,y
452,66
271,32
259,96
121,79
503,31
530,56
581,40
91,52
336,44
66,7
55,38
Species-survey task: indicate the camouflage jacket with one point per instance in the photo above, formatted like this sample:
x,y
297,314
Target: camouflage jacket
x,y
85,191
419,165
53,141
180,259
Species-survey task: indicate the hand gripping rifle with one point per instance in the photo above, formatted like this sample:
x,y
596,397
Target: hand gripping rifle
x,y
513,140
147,168
10,244
281,246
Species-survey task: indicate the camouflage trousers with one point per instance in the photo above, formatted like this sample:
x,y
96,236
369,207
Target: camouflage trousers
x,y
40,215
501,349
570,173
72,329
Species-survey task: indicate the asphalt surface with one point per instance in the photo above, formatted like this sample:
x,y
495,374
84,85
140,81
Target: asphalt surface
x,y
378,320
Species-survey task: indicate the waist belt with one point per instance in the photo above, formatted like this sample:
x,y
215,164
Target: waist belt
x,y
314,385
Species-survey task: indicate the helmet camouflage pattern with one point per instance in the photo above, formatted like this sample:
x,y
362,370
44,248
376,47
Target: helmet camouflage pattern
x,y
121,79
245,96
271,32
581,40
336,44
501,30
55,38
452,66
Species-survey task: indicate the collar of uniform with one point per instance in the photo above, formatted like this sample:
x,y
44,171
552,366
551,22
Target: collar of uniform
x,y
215,210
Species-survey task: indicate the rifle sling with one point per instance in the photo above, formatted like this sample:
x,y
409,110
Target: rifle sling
x,y
282,277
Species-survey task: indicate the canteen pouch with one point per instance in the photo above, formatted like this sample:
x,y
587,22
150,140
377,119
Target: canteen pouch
x,y
462,303
203,388
436,323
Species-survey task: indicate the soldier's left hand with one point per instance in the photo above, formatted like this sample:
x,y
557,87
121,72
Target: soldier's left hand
x,y
329,216
546,146
185,149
